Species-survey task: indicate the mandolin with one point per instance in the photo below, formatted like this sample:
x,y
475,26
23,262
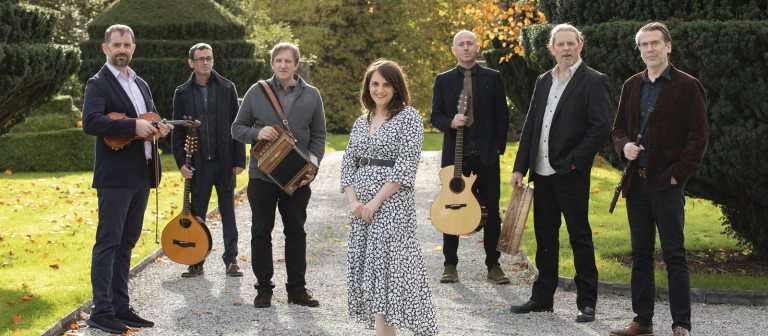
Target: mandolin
x,y
153,118
186,239
457,210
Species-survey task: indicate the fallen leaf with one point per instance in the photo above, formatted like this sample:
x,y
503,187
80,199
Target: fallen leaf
x,y
438,248
24,285
11,303
16,318
479,241
243,258
27,297
73,326
8,172
237,303
602,225
54,266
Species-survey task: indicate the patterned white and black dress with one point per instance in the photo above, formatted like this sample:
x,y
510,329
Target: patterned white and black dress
x,y
386,269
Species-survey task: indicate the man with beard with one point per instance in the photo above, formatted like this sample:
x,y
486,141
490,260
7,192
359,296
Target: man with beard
x,y
122,178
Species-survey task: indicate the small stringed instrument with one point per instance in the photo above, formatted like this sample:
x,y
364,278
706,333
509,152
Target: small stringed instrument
x,y
457,210
186,240
153,118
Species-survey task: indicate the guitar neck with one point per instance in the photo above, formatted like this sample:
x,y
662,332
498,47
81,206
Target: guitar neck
x,y
458,152
187,187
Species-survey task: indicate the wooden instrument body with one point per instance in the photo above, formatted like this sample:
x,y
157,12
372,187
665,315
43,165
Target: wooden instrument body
x,y
282,161
456,210
515,220
186,240
153,118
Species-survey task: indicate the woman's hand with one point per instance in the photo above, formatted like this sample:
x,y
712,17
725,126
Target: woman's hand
x,y
368,210
356,208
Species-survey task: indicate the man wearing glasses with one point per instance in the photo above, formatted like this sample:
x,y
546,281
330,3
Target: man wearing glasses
x,y
212,99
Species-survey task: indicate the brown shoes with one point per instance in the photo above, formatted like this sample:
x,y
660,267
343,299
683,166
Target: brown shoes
x,y
450,275
233,270
302,298
633,329
263,299
680,331
497,276
193,271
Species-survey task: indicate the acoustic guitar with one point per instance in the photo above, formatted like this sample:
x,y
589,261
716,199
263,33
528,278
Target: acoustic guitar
x,y
153,118
457,209
186,240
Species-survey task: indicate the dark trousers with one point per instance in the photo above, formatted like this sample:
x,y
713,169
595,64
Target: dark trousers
x,y
487,186
264,197
566,194
212,175
121,214
647,210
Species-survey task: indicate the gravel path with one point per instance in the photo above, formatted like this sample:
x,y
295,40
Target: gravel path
x,y
218,305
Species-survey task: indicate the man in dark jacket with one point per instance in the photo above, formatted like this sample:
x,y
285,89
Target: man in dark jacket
x,y
673,103
211,99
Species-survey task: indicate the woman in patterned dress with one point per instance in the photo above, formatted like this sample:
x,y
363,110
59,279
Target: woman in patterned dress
x,y
387,282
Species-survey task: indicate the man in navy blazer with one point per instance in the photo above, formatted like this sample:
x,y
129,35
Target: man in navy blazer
x,y
568,121
122,177
484,140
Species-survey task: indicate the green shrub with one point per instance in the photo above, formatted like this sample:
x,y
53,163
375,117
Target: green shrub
x,y
32,70
60,150
730,58
59,113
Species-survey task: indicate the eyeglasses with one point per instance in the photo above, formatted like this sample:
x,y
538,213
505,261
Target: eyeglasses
x,y
203,59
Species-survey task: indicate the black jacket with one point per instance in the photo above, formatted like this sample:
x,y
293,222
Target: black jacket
x,y
231,153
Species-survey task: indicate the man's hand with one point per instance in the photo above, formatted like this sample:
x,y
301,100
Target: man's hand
x,y
187,172
631,151
517,179
458,120
268,133
164,128
673,181
144,128
237,170
308,178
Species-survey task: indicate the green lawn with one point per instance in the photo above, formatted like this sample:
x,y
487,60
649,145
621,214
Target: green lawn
x,y
48,223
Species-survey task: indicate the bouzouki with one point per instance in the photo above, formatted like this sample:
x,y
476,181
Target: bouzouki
x,y
457,210
153,118
186,240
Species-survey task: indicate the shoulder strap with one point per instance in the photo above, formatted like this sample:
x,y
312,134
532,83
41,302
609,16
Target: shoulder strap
x,y
275,104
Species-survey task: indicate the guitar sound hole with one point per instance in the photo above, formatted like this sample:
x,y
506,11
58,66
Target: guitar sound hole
x,y
185,223
456,185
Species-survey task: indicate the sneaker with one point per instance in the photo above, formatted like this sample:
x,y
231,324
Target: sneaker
x,y
680,331
633,329
450,275
302,298
496,275
193,271
233,270
108,324
131,319
263,299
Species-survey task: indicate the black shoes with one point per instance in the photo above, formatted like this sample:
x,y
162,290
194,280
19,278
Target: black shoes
x,y
263,299
233,270
108,324
130,319
302,298
193,271
586,314
531,306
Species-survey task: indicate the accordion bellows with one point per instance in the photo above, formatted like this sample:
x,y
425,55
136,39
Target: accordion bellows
x,y
515,219
282,161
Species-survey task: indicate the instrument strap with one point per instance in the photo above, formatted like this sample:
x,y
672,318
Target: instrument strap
x,y
276,104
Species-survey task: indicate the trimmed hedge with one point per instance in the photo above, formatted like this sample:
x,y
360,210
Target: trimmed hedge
x,y
31,72
26,24
176,49
59,113
730,58
579,12
170,19
60,150
165,30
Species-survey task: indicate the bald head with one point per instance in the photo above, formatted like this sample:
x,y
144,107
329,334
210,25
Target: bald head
x,y
463,35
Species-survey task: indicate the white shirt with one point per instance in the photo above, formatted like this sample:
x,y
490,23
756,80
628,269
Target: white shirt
x,y
542,166
134,94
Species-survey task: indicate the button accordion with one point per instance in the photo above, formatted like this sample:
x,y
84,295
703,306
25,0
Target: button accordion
x,y
282,161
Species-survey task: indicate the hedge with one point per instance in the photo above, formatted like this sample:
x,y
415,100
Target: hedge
x,y
59,113
60,150
579,12
730,58
25,24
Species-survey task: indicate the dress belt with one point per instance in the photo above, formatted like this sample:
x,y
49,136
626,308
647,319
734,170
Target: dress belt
x,y
366,161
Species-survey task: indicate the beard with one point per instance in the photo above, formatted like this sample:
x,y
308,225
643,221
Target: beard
x,y
120,62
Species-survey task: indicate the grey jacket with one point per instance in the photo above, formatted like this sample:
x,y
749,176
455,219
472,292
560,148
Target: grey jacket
x,y
306,119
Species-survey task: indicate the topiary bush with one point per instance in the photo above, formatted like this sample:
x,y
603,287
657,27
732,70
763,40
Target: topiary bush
x,y
60,150
729,57
31,68
165,30
58,113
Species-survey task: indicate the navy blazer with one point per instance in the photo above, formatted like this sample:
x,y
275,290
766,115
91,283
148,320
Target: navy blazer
x,y
231,152
580,126
489,108
127,166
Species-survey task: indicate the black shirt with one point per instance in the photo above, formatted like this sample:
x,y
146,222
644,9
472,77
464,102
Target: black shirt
x,y
648,98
